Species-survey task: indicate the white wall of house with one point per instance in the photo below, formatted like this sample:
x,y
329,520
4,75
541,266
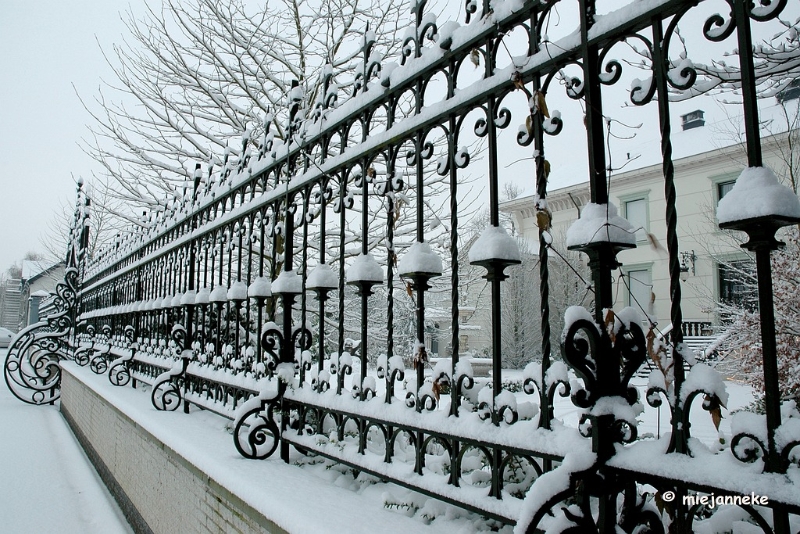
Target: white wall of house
x,y
639,194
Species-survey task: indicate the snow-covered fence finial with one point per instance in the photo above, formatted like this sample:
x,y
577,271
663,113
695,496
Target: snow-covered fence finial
x,y
424,27
294,101
370,64
244,157
267,140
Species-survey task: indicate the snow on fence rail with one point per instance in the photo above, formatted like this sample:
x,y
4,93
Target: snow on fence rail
x,y
216,302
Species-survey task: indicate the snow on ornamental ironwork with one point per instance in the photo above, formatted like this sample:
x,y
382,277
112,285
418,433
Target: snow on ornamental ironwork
x,y
214,303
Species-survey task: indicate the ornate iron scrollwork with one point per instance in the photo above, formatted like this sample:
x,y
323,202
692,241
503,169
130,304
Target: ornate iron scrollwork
x,y
119,370
82,354
583,345
255,433
166,394
32,368
99,362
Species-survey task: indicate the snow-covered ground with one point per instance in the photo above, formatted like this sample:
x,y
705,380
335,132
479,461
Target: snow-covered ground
x,y
47,484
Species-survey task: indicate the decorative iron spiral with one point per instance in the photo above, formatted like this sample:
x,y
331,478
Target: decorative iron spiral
x,y
32,369
166,395
119,372
256,434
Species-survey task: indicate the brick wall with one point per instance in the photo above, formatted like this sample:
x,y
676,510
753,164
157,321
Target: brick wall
x,y
171,495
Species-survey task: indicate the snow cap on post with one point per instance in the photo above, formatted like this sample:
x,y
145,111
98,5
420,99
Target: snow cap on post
x,y
420,259
757,193
189,297
288,283
219,294
601,223
238,291
202,296
494,244
758,205
260,288
322,278
365,269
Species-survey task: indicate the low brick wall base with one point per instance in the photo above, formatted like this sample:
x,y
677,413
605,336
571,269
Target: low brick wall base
x,y
171,495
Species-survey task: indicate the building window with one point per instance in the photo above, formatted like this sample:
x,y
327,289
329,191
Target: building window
x,y
734,289
640,289
636,213
723,188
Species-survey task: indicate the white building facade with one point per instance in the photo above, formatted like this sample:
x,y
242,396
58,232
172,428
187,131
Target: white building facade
x,y
707,253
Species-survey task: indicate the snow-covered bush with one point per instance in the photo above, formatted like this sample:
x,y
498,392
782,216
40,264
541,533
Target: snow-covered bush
x,y
741,343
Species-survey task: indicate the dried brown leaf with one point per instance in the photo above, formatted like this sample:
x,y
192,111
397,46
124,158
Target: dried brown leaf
x,y
543,219
654,242
609,324
437,389
475,57
541,103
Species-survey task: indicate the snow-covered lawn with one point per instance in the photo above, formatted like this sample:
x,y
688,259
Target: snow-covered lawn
x,y
47,484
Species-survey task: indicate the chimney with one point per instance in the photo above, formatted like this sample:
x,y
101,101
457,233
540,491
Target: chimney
x,y
693,119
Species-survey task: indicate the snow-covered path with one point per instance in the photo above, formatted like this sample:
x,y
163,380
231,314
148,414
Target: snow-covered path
x,y
47,484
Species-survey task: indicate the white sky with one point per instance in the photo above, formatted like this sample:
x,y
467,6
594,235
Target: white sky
x,y
47,46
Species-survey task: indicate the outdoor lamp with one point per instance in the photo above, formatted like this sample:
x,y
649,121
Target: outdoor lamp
x,y
687,259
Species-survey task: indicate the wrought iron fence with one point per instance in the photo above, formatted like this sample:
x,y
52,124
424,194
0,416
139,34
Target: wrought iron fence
x,y
215,303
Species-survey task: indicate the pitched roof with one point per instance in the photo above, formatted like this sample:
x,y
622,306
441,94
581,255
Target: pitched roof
x,y
723,128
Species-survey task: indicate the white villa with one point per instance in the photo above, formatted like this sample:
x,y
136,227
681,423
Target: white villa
x,y
701,179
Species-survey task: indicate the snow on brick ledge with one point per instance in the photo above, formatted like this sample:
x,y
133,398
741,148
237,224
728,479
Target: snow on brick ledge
x,y
419,258
288,282
494,244
600,222
365,269
757,193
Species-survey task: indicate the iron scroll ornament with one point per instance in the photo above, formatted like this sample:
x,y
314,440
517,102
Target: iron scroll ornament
x,y
32,369
83,354
256,434
119,371
166,394
99,362
583,344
